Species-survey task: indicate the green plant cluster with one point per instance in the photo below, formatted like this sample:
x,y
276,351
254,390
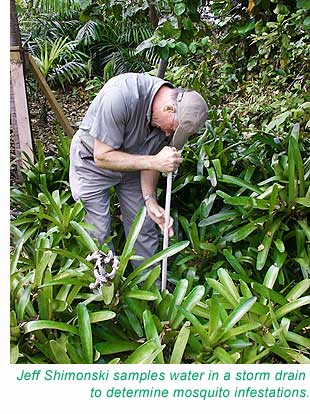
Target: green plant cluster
x,y
238,280
78,41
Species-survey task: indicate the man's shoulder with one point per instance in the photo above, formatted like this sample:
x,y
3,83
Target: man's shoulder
x,y
132,78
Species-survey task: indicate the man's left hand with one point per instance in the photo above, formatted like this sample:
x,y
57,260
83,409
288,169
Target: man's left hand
x,y
157,214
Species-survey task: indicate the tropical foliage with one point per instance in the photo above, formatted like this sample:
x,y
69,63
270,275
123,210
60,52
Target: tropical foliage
x,y
239,263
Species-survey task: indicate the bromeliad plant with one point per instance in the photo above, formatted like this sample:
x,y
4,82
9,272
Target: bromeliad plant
x,y
50,291
254,219
228,300
47,173
57,316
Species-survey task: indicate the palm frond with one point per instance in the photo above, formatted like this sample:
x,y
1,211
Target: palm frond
x,y
89,33
61,7
68,72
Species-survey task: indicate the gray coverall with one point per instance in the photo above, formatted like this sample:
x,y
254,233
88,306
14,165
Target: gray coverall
x,y
119,116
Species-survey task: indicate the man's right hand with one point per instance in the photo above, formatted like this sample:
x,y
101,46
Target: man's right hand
x,y
167,160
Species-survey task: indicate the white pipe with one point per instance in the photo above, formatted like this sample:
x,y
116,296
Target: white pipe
x,y
166,230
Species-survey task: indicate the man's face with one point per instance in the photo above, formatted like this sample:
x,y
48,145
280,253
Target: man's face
x,y
166,121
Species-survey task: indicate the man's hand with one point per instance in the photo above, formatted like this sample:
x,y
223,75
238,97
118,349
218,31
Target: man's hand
x,y
157,214
168,159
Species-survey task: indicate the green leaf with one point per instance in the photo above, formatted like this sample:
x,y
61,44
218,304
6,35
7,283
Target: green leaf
x,y
23,302
38,325
110,347
223,356
180,344
127,252
164,52
59,353
247,28
306,23
282,9
207,204
303,201
140,294
100,316
291,356
152,276
85,332
107,292
146,44
151,333
170,251
277,120
189,302
228,284
268,294
14,354
236,315
199,328
280,245
181,48
290,307
306,229
298,339
244,231
85,237
240,330
19,246
216,218
218,287
294,154
229,179
145,354
208,247
212,176
298,290
188,24
266,244
214,319
178,296
179,8
134,232
131,320
71,255
66,281
271,276
234,262
303,4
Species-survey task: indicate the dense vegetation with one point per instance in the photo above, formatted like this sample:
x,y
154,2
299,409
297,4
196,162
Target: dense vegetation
x,y
239,265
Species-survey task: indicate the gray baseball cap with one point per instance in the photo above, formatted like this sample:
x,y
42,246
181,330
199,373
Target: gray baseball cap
x,y
192,113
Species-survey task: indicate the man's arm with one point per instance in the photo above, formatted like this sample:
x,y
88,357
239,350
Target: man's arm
x,y
149,180
105,156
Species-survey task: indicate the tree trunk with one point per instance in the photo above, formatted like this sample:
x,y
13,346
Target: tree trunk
x,y
15,39
162,68
153,13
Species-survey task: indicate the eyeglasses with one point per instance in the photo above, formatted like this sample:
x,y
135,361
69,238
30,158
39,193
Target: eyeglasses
x,y
174,125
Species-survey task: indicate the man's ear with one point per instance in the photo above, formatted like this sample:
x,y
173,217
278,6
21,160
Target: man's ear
x,y
169,108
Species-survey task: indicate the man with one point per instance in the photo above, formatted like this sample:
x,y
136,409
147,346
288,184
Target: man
x,y
122,142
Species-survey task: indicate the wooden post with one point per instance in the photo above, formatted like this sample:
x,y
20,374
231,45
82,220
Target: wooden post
x,y
19,107
50,97
18,101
